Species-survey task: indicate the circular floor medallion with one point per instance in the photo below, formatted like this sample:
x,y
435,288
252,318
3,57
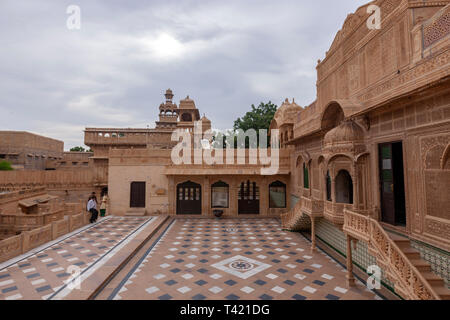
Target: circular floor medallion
x,y
241,265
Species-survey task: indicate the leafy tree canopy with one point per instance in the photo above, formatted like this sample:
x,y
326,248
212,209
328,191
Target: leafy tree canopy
x,y
258,118
5,166
79,149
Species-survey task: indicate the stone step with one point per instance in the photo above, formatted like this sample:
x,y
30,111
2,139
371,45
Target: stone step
x,y
401,241
411,253
421,265
433,279
136,212
443,292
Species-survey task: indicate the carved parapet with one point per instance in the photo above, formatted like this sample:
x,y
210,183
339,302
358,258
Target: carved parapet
x,y
10,248
37,237
60,227
312,207
334,212
357,226
76,221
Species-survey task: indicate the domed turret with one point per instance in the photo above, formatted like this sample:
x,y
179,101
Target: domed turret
x,y
206,123
168,112
169,95
347,137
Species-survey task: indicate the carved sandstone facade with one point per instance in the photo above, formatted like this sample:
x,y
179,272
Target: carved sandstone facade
x,y
365,167
376,141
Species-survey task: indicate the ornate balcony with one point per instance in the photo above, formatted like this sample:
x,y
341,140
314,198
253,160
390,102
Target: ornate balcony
x,y
312,207
335,211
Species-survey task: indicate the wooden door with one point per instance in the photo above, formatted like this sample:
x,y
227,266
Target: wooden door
x,y
248,198
137,195
189,198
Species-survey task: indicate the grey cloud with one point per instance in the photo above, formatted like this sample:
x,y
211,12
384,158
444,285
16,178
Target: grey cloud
x,y
113,72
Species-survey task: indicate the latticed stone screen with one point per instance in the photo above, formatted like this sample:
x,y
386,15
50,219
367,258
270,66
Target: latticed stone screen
x,y
439,259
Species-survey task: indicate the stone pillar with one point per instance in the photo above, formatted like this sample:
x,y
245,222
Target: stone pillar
x,y
313,234
355,187
350,277
333,190
54,230
233,196
263,195
25,241
206,203
172,196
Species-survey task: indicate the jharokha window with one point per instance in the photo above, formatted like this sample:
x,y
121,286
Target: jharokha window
x,y
277,195
328,185
305,176
219,195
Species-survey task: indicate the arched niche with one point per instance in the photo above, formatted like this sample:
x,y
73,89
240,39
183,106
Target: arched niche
x,y
332,116
344,187
433,157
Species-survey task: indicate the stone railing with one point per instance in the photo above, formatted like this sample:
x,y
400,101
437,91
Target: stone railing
x,y
27,240
11,247
52,179
74,208
30,221
409,282
116,136
295,219
334,212
14,195
312,207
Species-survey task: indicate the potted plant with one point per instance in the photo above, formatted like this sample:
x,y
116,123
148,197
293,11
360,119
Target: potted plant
x,y
218,213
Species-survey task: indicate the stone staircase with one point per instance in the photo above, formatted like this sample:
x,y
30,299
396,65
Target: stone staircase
x,y
411,276
295,219
437,283
139,212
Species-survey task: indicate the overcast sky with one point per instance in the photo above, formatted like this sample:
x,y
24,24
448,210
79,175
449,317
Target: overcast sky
x,y
113,72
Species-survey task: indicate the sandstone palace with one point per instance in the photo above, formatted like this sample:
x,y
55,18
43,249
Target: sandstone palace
x,y
364,170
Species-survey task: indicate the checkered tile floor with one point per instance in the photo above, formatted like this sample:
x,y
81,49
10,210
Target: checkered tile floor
x,y
42,274
251,259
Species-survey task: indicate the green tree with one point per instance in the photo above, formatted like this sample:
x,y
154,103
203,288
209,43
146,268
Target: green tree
x,y
258,118
5,166
80,149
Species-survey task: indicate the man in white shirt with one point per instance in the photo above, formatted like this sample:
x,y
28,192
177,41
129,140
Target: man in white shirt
x,y
92,208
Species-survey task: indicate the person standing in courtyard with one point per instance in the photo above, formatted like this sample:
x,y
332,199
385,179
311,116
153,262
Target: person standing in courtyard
x,y
92,208
103,205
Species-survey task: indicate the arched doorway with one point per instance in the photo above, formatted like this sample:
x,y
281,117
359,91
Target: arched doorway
x,y
344,187
189,198
219,195
248,198
328,186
